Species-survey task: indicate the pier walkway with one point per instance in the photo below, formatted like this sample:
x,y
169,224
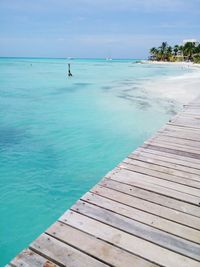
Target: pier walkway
x,y
145,212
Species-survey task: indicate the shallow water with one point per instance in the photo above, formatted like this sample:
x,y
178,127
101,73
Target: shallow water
x,y
58,136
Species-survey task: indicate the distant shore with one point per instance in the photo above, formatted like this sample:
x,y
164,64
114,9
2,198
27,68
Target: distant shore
x,y
180,63
182,88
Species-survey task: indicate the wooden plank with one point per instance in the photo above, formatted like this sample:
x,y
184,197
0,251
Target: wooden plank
x,y
190,113
184,148
186,114
171,150
130,243
28,258
170,156
179,130
163,170
96,248
154,197
143,217
176,190
186,121
144,205
184,125
194,144
159,172
172,127
62,253
174,168
186,118
182,136
138,229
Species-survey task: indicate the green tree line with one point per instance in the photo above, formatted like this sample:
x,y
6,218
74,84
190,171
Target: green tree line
x,y
188,52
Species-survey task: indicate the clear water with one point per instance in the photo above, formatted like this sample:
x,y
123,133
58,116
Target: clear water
x,y
59,136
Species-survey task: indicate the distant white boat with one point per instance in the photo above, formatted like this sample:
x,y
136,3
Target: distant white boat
x,y
108,58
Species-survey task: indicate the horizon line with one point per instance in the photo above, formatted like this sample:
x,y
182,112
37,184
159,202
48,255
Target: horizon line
x,y
72,58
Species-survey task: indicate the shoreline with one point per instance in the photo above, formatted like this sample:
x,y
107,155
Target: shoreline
x,y
176,63
180,88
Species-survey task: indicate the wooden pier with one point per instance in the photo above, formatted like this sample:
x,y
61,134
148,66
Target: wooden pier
x,y
145,212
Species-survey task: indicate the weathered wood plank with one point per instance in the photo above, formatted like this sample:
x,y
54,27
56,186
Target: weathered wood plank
x,y
173,127
186,122
28,258
186,117
123,196
186,114
174,166
184,125
185,135
193,145
190,113
130,243
182,148
159,172
169,165
97,248
177,140
177,151
169,156
145,181
179,134
154,197
62,253
138,229
143,217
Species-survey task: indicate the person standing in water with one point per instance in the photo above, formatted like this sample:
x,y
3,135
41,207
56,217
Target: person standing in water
x,y
69,71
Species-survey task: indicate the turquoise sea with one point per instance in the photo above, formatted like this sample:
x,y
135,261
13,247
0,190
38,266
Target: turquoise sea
x,y
60,135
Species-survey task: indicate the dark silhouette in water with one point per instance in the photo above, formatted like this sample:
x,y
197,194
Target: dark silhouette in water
x,y
69,72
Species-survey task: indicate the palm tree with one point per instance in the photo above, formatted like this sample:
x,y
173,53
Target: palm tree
x,y
168,52
175,50
163,46
197,50
189,50
154,52
163,49
196,55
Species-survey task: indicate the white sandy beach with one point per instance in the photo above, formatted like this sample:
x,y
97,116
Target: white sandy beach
x,y
183,88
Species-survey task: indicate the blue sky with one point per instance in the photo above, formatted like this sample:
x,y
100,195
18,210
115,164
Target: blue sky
x,y
94,28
